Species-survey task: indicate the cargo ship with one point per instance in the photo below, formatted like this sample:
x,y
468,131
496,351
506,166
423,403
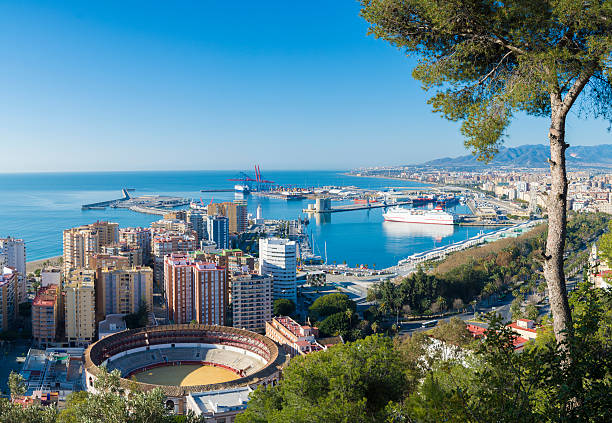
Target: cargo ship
x,y
436,216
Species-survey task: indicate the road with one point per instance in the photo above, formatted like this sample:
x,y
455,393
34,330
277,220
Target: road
x,y
501,307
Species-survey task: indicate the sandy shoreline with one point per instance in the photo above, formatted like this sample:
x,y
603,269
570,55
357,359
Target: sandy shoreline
x,y
38,264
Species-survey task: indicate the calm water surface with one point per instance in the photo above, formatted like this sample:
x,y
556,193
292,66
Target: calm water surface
x,y
37,207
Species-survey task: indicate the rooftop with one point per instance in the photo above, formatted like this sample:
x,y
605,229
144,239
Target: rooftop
x,y
46,297
215,402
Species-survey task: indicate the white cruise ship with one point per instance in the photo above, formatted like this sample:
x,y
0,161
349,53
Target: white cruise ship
x,y
436,216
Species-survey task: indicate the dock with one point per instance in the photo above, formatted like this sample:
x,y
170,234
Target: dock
x,y
217,190
352,207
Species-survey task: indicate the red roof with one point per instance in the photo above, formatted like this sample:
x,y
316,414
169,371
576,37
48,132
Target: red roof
x,y
515,326
47,297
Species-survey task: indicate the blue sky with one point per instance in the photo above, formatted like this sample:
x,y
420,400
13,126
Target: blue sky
x,y
171,85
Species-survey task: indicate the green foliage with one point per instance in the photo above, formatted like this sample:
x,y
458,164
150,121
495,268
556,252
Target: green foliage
x,y
531,312
15,413
331,304
488,60
16,384
336,324
491,270
113,404
453,332
140,319
544,383
605,245
283,307
354,382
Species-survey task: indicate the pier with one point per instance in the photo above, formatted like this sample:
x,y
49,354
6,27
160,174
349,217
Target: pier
x,y
351,207
104,204
149,204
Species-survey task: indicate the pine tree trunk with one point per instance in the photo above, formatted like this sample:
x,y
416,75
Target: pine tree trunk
x,y
557,219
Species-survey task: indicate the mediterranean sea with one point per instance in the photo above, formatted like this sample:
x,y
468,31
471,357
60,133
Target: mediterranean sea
x,y
39,206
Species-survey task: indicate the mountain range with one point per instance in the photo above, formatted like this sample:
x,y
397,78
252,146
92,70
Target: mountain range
x,y
533,156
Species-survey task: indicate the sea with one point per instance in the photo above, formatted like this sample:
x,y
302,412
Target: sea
x,y
39,206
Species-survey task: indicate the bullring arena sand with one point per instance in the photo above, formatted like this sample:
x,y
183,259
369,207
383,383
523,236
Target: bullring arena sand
x,y
185,375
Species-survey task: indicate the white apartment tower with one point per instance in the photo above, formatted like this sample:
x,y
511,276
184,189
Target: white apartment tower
x,y
13,254
278,258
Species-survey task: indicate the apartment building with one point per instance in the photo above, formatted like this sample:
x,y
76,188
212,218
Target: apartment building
x,y
163,245
195,290
251,301
82,241
8,297
140,237
236,212
217,228
14,253
123,290
45,316
278,258
80,305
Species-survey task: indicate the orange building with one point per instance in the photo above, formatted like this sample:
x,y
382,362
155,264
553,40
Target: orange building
x,y
45,313
195,290
294,338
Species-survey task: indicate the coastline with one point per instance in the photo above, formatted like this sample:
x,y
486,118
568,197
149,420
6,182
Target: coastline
x,y
31,266
395,178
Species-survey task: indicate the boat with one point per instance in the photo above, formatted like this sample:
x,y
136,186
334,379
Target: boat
x,y
436,216
447,200
244,189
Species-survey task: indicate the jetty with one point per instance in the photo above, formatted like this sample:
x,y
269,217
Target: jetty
x,y
149,204
104,204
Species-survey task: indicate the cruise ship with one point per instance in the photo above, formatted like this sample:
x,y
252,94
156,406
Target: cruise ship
x,y
436,216
243,189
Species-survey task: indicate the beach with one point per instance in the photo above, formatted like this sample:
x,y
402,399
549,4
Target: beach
x,y
31,266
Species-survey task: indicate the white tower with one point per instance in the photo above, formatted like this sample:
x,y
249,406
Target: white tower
x,y
278,257
259,212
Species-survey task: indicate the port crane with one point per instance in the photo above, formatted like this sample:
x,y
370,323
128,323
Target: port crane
x,y
258,182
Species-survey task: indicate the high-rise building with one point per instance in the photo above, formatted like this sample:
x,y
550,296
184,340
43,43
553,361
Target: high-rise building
x,y
80,306
218,230
45,316
100,260
82,241
122,291
197,219
8,297
133,253
140,237
236,212
163,245
195,290
171,225
14,252
277,257
251,301
234,260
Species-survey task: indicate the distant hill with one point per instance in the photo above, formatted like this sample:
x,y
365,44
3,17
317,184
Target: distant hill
x,y
533,156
